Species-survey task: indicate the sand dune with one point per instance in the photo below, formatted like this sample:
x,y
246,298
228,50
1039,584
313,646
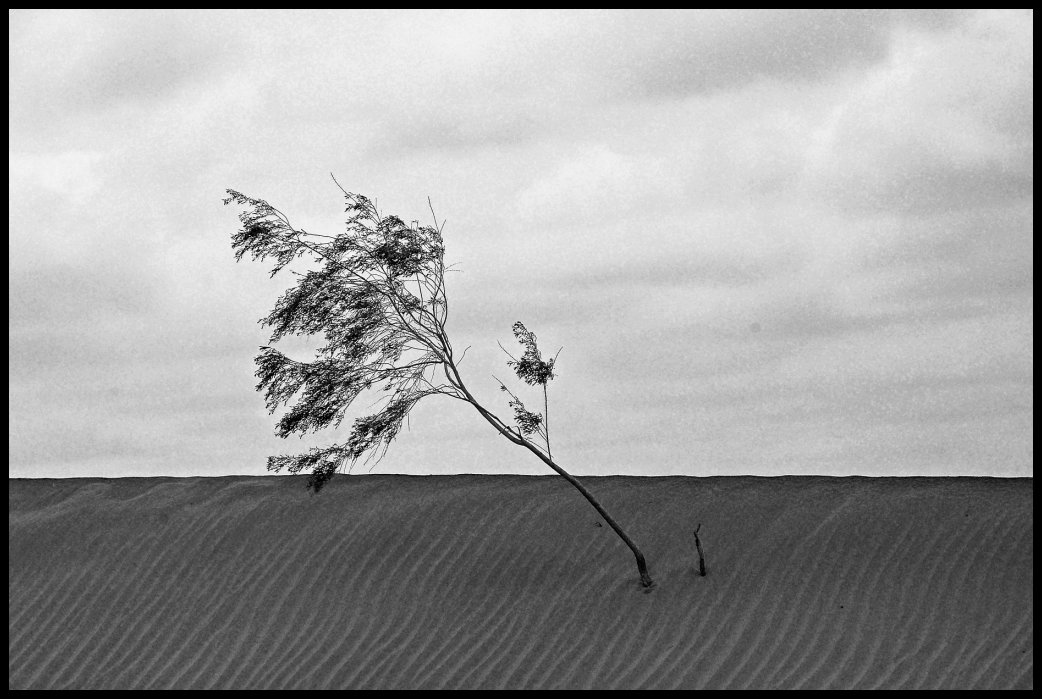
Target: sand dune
x,y
508,582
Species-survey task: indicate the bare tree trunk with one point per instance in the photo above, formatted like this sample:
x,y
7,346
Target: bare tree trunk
x,y
516,438
642,566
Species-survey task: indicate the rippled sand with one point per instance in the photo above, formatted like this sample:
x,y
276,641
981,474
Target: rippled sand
x,y
509,582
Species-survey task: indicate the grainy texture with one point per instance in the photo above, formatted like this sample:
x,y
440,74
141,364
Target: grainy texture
x,y
507,582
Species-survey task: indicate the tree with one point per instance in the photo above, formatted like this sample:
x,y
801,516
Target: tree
x,y
377,297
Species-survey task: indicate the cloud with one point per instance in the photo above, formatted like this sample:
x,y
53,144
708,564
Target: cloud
x,y
498,80
642,54
70,62
961,258
60,296
75,175
943,125
643,188
700,52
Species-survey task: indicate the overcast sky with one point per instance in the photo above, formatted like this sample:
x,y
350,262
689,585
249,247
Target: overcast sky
x,y
769,242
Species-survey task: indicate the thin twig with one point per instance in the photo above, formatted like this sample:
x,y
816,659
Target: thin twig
x,y
435,216
505,351
546,420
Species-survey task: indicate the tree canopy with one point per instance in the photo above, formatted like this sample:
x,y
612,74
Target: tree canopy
x,y
378,300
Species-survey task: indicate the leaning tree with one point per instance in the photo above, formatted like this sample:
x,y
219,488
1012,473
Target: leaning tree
x,y
376,295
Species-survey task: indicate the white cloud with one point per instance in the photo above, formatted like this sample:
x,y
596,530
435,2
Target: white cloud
x,y
75,175
642,187
941,125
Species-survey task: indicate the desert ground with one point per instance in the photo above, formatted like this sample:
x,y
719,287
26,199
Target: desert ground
x,y
515,582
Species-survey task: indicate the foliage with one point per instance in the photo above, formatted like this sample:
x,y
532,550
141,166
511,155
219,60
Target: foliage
x,y
530,368
527,421
377,298
535,372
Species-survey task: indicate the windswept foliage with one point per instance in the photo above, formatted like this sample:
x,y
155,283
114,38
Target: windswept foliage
x,y
377,298
530,368
535,372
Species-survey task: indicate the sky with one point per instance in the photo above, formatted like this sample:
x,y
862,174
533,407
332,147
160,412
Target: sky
x,y
769,242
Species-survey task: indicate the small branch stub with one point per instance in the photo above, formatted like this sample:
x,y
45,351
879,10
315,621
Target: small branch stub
x,y
701,554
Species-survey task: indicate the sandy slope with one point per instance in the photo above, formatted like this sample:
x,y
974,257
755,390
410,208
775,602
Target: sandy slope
x,y
507,581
